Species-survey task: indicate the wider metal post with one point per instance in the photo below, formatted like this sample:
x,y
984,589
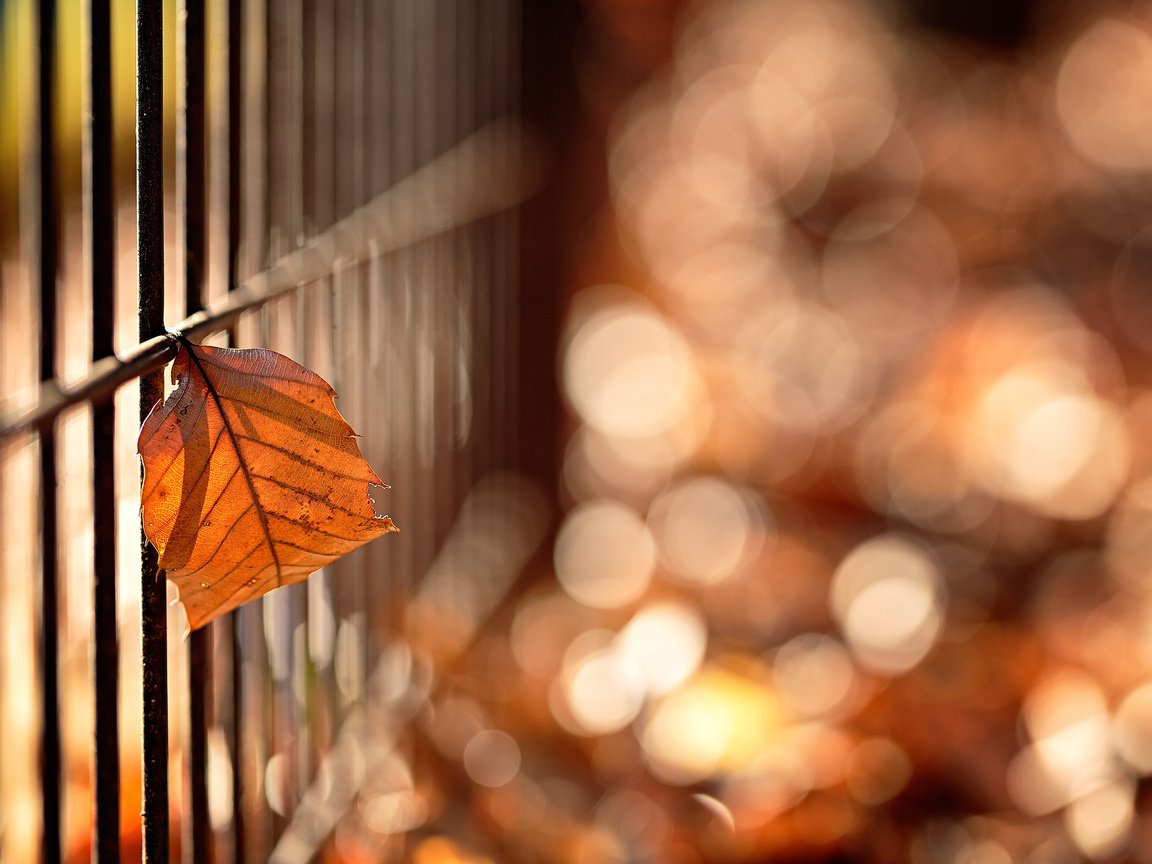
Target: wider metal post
x,y
150,266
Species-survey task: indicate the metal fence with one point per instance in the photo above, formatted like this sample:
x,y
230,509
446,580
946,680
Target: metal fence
x,y
343,190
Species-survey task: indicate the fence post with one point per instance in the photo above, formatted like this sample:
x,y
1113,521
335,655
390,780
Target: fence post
x,y
235,96
190,180
47,267
150,276
99,224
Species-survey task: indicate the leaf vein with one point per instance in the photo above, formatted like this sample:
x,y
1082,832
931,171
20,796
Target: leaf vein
x,y
312,496
323,469
316,552
295,419
209,510
317,530
207,465
316,385
235,566
220,545
239,457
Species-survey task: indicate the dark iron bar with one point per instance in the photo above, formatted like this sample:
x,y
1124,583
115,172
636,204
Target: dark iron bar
x,y
47,187
375,164
50,749
363,334
303,683
235,95
100,221
192,151
150,263
269,240
239,748
47,267
196,822
404,153
266,240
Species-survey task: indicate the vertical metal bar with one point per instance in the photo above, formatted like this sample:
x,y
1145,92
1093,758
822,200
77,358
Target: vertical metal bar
x,y
100,219
150,288
446,290
404,38
197,824
424,311
48,234
536,34
307,114
303,669
327,204
462,84
272,148
323,170
50,753
248,219
239,751
49,204
519,301
321,697
350,361
235,97
235,103
503,299
271,235
375,96
191,142
484,311
197,844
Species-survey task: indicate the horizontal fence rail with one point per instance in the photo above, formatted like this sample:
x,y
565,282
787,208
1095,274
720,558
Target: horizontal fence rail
x,y
429,203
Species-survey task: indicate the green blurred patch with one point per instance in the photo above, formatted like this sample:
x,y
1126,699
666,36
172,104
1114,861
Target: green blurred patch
x,y
17,83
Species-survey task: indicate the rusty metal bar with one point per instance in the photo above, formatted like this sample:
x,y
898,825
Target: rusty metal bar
x,y
235,95
197,845
150,270
99,223
47,267
191,145
197,824
235,104
48,634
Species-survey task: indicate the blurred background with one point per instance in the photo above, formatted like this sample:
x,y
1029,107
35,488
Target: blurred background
x,y
828,534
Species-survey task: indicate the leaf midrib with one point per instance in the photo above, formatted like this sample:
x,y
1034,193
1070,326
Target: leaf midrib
x,y
244,469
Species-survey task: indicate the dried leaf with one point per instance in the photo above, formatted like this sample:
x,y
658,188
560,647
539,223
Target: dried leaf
x,y
252,479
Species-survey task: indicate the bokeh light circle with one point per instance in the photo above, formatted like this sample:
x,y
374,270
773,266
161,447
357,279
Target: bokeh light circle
x,y
604,554
887,596
705,529
628,372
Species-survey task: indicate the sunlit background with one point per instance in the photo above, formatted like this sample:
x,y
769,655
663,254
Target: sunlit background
x,y
856,543
852,548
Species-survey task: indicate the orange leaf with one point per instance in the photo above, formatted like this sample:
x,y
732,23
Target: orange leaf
x,y
252,479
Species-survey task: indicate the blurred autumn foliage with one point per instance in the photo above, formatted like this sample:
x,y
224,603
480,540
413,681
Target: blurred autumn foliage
x,y
857,518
